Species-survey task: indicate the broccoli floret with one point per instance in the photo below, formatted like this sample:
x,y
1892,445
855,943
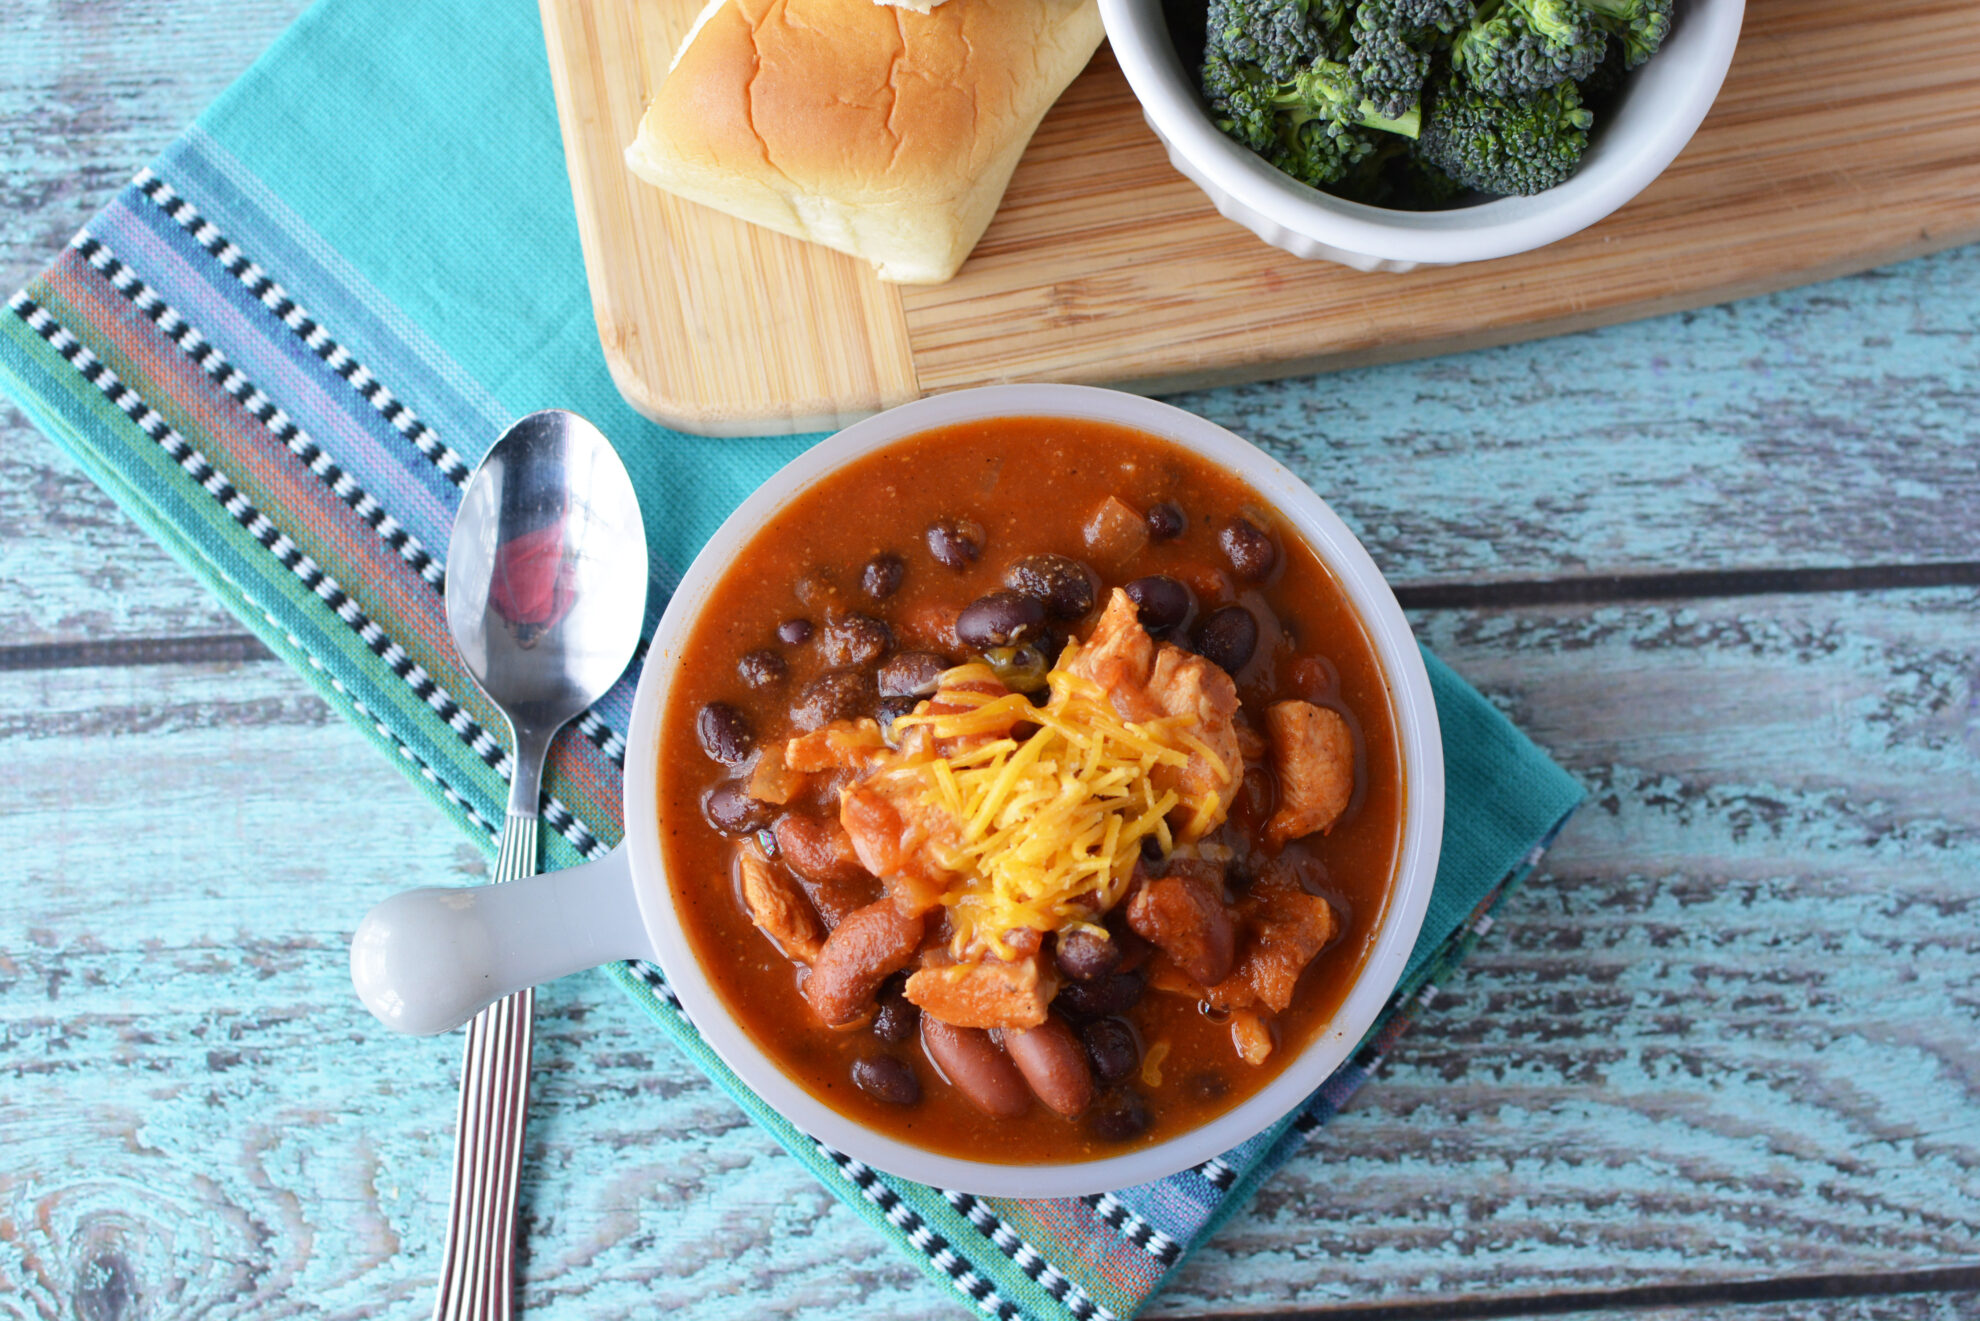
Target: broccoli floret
x,y
1393,42
1498,144
1277,36
1517,46
1309,125
1640,25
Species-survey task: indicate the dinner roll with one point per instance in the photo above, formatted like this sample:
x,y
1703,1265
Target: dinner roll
x,y
873,129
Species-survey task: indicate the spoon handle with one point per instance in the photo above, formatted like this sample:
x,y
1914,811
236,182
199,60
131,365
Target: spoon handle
x,y
475,1272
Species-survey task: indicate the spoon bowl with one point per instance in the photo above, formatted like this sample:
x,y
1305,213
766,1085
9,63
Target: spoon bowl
x,y
546,572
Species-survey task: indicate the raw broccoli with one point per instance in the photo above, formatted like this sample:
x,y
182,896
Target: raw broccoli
x,y
1498,144
1309,125
1275,36
1393,41
1640,25
1516,46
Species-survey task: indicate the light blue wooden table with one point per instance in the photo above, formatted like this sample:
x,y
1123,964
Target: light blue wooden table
x,y
1721,1060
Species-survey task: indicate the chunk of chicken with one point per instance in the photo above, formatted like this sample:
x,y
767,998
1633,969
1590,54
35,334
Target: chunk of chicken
x,y
779,910
1183,915
894,832
1145,681
841,745
1284,928
988,993
1313,754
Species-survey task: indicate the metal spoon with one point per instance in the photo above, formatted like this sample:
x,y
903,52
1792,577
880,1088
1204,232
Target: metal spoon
x,y
546,590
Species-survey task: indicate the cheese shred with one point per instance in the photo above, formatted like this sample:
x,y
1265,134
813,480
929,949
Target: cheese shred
x,y
1048,827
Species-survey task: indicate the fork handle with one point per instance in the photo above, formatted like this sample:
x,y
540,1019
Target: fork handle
x,y
475,1272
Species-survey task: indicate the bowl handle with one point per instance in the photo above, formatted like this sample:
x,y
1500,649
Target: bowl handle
x,y
428,960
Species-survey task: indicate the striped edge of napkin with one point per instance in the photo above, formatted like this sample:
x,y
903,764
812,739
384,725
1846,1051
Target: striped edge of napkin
x,y
299,443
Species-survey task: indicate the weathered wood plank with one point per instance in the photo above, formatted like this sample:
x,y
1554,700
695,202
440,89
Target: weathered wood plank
x,y
1728,1036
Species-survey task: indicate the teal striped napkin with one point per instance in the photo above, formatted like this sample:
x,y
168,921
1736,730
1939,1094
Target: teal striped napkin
x,y
282,348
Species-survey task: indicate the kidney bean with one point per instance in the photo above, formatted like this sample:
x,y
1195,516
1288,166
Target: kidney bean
x,y
975,1067
999,620
1113,994
794,632
1225,637
1166,521
762,668
857,640
897,1017
871,945
1111,1049
1083,956
731,810
834,695
1249,548
1119,1117
881,576
818,848
955,542
1062,584
1053,1062
724,733
885,1078
911,674
1161,602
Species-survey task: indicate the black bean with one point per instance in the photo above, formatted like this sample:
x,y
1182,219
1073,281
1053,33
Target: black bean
x,y
885,1078
911,674
1249,548
856,640
762,668
834,695
1151,850
731,810
1062,584
999,620
890,710
1114,994
955,542
1111,1049
1083,956
724,733
794,632
881,577
1119,1117
898,1018
1225,637
1160,601
1166,521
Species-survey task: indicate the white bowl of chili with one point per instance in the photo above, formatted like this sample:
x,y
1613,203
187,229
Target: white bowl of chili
x,y
650,900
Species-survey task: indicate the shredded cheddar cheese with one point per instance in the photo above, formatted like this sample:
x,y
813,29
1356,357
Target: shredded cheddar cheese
x,y
1047,827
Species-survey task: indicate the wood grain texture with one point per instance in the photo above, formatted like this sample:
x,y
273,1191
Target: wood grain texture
x,y
738,352
1728,1036
1821,426
1107,267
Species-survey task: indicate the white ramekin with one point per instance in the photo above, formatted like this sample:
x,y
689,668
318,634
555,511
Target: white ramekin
x,y
1659,110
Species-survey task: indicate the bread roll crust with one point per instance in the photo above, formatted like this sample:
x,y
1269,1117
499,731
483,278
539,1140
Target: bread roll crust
x,y
876,130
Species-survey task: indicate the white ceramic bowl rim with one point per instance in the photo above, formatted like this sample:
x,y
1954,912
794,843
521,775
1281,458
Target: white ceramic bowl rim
x,y
1417,729
1689,71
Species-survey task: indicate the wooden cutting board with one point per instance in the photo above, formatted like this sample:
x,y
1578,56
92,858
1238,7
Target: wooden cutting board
x,y
1847,136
